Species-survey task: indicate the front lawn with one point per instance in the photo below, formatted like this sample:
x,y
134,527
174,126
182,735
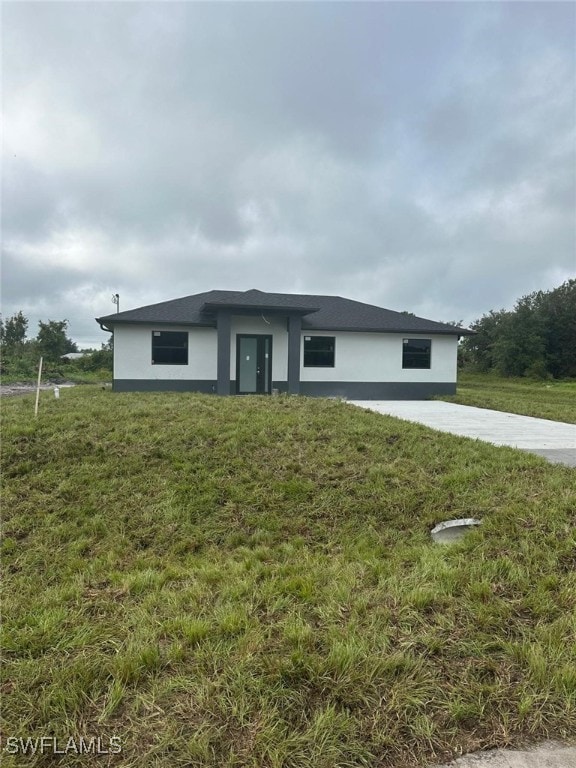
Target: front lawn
x,y
554,400
250,582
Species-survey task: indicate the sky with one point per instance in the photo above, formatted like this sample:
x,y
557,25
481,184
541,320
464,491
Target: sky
x,y
420,156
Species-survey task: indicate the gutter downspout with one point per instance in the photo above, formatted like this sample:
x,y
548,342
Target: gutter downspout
x,y
108,330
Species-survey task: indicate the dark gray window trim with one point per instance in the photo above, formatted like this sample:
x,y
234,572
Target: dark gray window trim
x,y
156,332
428,367
306,336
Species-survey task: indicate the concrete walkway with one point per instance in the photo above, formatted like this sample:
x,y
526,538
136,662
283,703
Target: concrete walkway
x,y
549,755
552,440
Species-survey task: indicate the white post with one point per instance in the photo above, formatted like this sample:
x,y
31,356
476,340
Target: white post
x,y
38,388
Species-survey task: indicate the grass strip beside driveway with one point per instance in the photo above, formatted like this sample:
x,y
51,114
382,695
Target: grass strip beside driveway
x,y
555,400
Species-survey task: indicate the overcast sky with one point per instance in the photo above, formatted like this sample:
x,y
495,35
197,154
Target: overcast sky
x,y
415,155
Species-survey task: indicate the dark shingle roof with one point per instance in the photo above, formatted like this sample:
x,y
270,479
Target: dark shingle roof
x,y
255,299
321,313
185,311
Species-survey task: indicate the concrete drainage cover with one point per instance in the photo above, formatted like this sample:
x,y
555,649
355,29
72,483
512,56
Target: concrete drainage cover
x,y
452,530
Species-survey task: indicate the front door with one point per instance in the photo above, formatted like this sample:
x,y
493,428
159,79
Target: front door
x,y
253,364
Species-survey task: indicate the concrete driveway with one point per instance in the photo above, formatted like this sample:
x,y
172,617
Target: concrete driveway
x,y
548,755
553,440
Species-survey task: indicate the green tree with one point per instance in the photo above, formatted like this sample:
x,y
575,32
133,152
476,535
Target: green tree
x,y
537,338
479,350
98,360
519,347
52,340
13,331
557,309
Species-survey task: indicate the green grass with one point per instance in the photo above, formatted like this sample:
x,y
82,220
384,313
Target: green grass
x,y
555,400
250,582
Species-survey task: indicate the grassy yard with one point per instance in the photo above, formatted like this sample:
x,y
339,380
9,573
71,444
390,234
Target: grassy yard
x,y
554,400
250,582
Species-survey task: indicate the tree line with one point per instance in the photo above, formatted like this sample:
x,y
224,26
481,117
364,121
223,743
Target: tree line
x,y
537,338
20,354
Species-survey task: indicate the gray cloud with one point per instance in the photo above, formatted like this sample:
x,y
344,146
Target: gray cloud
x,y
419,156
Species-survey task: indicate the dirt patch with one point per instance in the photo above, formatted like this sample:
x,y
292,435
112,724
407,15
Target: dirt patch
x,y
10,390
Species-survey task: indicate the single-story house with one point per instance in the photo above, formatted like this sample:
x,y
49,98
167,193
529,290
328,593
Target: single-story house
x,y
251,342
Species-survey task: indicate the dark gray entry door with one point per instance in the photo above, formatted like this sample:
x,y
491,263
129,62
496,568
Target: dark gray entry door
x,y
253,364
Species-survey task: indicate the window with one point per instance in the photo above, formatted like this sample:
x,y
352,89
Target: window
x,y
416,353
319,351
169,348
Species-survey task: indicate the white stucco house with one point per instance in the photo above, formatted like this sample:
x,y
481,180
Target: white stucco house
x,y
251,342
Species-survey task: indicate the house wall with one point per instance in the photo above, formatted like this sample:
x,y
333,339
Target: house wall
x,y
378,357
133,354
367,365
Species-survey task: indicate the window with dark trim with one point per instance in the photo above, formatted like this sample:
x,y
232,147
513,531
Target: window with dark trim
x,y
416,353
319,351
169,348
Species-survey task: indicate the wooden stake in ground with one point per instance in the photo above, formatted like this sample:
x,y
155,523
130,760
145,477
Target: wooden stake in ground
x,y
38,388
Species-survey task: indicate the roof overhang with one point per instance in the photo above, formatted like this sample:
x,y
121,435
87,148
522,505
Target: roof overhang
x,y
422,332
111,321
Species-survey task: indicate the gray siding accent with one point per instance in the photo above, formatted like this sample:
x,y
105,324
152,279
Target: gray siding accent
x,y
281,386
207,386
352,390
377,390
294,333
223,324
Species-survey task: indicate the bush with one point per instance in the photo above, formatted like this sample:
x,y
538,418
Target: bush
x,y
102,359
